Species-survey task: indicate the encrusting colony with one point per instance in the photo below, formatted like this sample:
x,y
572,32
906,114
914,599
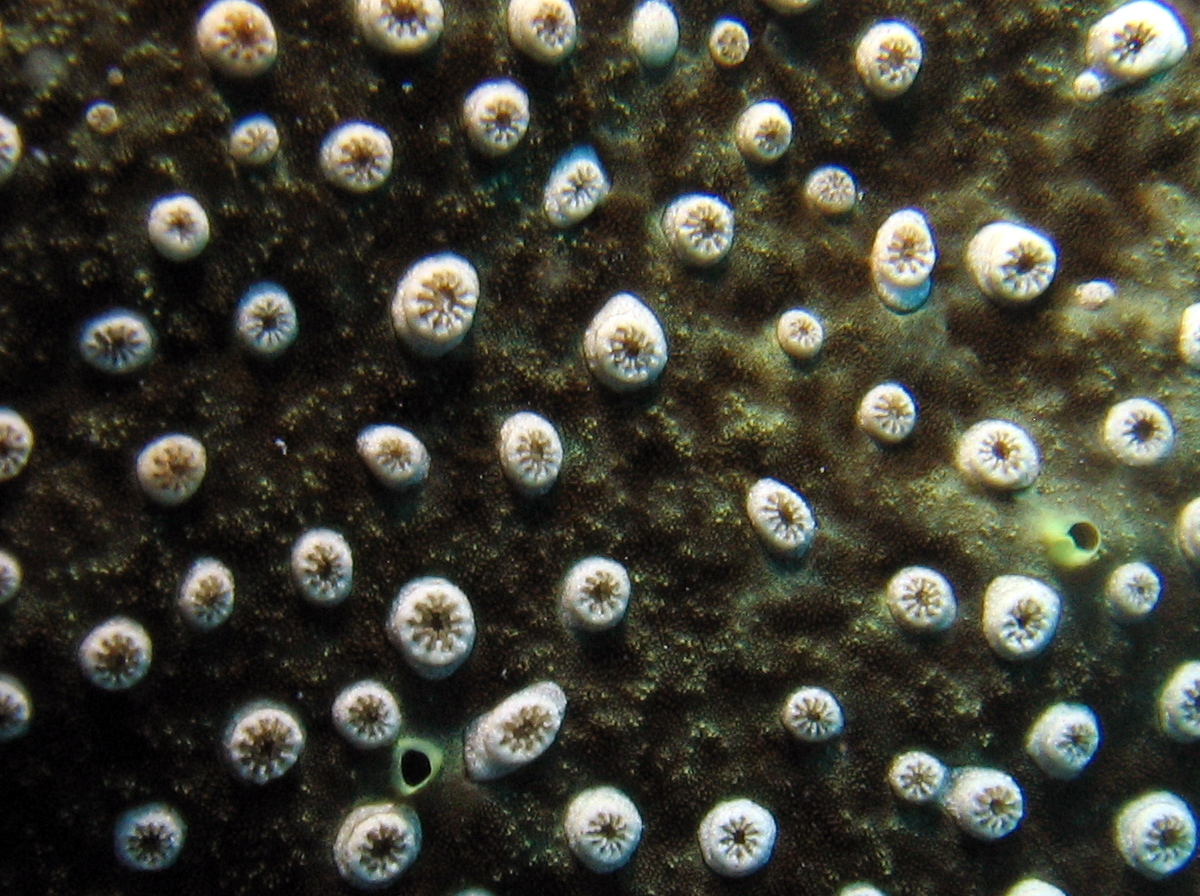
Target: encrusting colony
x,y
558,185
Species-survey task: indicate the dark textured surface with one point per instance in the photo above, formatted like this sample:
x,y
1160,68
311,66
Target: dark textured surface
x,y
679,706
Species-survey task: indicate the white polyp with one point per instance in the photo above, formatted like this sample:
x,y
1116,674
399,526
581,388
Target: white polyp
x,y
830,190
400,27
594,594
395,456
1132,43
1188,342
178,227
544,30
603,828
1063,740
16,709
117,342
171,468
1011,264
432,624
763,132
1132,591
577,186
1156,834
921,600
1094,295
624,345
998,455
495,116
531,453
699,229
812,715
1020,616
434,304
737,837
984,802
800,334
10,576
262,741
1187,532
116,654
654,33
367,715
356,156
265,320
1033,887
917,777
322,567
887,58
887,413
1179,704
728,42
376,844
902,260
237,38
207,594
515,732
11,148
782,518
16,443
1139,432
254,140
149,837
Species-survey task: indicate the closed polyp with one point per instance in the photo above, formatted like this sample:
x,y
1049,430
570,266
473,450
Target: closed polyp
x,y
1179,704
117,342
812,715
1156,834
432,624
782,518
1020,616
699,229
531,453
544,30
1139,432
495,116
1132,591
998,455
322,567
1063,740
1011,264
357,157
985,803
603,828
921,600
737,837
262,741
434,304
376,844
395,456
400,27
594,594
116,654
366,714
888,58
206,595
265,320
515,732
624,345
170,468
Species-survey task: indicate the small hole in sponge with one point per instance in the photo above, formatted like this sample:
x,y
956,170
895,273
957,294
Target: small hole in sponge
x,y
415,767
1085,535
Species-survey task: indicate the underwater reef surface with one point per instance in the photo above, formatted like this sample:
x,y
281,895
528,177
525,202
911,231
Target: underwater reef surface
x,y
678,706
